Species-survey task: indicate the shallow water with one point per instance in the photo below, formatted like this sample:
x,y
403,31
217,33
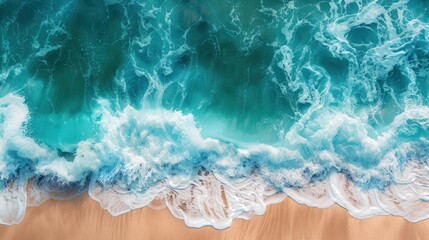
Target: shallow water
x,y
205,101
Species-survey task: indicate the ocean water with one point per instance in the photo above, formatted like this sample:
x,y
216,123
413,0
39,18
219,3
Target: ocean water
x,y
215,108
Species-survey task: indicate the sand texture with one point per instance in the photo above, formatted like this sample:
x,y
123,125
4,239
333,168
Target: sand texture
x,y
82,218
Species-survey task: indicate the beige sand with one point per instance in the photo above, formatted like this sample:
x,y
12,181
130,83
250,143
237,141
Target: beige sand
x,y
82,218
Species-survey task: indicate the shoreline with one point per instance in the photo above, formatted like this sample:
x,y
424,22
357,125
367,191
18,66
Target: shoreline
x,y
82,218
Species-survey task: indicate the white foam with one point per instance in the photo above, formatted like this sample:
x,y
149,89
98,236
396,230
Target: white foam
x,y
147,156
13,204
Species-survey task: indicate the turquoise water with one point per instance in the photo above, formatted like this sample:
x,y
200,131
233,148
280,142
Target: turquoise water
x,y
139,98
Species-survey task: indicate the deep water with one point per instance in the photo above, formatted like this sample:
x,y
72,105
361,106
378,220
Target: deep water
x,y
323,101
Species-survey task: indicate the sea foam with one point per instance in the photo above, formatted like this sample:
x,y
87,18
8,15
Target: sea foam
x,y
144,156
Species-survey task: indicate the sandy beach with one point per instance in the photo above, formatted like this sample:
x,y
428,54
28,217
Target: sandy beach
x,y
82,218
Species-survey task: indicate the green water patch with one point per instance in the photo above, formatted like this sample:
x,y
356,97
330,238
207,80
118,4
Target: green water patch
x,y
79,58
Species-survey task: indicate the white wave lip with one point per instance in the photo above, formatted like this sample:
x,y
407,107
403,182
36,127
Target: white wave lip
x,y
144,156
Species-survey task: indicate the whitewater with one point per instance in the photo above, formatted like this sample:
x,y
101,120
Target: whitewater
x,y
215,108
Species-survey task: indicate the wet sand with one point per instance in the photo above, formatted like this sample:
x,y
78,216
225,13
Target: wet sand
x,y
83,219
